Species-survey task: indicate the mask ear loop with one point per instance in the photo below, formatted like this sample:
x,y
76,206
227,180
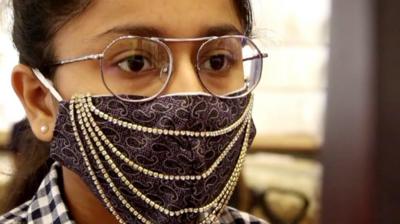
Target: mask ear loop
x,y
47,83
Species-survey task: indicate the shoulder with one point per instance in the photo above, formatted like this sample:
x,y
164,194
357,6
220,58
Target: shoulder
x,y
234,216
46,206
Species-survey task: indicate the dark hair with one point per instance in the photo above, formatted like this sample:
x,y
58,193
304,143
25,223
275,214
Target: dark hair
x,y
246,12
36,22
31,165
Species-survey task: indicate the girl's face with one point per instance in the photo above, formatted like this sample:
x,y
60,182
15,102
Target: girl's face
x,y
106,20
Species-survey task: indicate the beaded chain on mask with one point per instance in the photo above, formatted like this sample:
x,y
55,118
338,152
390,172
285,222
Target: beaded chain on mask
x,y
176,159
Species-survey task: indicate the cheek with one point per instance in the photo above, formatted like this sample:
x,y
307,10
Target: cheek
x,y
79,79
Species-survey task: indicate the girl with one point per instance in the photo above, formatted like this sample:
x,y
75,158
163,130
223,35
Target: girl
x,y
146,106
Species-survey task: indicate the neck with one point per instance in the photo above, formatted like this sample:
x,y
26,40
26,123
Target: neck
x,y
83,205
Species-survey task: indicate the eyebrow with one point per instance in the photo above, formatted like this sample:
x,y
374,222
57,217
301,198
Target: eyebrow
x,y
146,31
221,30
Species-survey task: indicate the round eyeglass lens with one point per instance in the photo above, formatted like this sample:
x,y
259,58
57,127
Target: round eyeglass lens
x,y
229,66
135,67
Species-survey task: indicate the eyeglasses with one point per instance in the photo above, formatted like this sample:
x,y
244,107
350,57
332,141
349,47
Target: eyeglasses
x,y
227,66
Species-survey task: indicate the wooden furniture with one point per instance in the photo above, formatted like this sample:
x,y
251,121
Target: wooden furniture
x,y
361,151
287,143
3,138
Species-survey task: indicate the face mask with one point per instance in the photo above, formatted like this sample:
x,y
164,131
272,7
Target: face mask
x,y
175,159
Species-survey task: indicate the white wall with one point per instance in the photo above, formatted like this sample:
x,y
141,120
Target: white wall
x,y
290,100
10,108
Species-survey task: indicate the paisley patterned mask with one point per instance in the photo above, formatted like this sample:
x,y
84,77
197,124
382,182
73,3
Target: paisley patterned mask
x,y
175,159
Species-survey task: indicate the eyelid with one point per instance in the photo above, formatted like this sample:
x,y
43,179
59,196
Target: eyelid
x,y
136,53
207,54
121,56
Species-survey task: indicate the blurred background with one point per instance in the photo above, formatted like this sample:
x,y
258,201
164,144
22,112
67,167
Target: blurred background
x,y
282,177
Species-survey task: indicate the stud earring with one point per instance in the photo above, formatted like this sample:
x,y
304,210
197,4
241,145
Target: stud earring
x,y
44,129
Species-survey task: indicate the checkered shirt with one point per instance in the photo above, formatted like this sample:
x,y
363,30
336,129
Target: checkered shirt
x,y
47,206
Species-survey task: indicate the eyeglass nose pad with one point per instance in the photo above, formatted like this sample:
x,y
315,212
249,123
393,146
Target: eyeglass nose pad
x,y
164,72
165,69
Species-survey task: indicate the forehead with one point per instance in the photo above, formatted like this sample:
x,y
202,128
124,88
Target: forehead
x,y
107,19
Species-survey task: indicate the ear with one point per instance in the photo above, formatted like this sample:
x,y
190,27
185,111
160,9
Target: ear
x,y
39,104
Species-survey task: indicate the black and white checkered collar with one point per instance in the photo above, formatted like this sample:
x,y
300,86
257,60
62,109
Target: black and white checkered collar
x,y
47,206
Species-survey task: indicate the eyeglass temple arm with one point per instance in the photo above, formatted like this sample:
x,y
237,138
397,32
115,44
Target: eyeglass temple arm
x,y
47,83
263,55
84,58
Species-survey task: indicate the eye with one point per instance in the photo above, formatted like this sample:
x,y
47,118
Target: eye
x,y
136,63
217,62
